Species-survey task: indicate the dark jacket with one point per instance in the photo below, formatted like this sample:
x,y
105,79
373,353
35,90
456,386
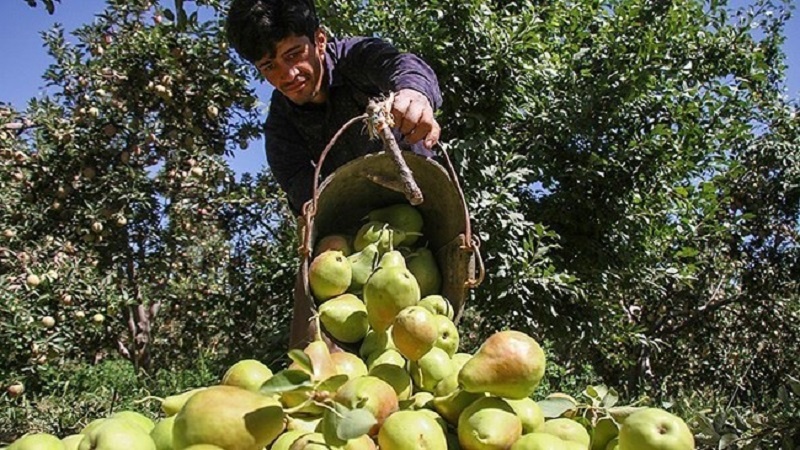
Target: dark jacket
x,y
357,69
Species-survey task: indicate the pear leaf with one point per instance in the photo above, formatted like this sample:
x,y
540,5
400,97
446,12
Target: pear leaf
x,y
301,359
285,381
333,383
555,407
353,423
610,399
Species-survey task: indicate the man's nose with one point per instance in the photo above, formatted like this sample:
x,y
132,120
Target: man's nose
x,y
288,72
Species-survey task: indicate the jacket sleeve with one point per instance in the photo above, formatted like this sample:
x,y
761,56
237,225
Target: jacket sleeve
x,y
288,160
371,62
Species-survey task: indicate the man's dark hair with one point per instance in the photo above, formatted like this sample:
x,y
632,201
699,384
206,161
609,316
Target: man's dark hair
x,y
254,27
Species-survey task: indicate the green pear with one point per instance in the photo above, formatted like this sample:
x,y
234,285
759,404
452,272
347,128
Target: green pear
x,y
389,290
348,364
538,441
247,374
655,429
285,440
509,364
402,217
449,383
389,356
613,444
447,337
229,417
568,430
135,418
529,412
92,425
329,275
322,365
362,264
411,430
432,368
420,400
371,393
384,236
161,434
345,318
414,331
605,430
397,377
422,264
72,441
37,441
117,433
488,423
375,342
451,406
338,242
437,304
173,403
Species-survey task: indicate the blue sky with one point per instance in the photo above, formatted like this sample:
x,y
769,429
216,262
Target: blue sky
x,y
25,59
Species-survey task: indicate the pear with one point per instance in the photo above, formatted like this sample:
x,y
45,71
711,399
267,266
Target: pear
x,y
345,318
613,444
422,264
37,441
375,341
420,400
72,441
117,433
371,393
411,430
285,440
390,289
655,429
509,364
414,331
384,236
568,430
488,423
402,217
397,377
247,374
173,403
139,419
229,417
203,447
322,364
92,425
161,434
362,264
432,368
437,304
529,412
304,423
310,441
539,441
338,242
450,383
451,406
389,356
329,275
447,337
348,364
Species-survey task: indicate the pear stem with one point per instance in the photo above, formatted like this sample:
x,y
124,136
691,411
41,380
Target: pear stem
x,y
147,399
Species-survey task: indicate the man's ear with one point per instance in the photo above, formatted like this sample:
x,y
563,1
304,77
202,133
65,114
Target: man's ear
x,y
321,39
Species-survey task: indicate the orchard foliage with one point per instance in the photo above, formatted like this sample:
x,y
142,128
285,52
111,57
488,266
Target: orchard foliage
x,y
632,168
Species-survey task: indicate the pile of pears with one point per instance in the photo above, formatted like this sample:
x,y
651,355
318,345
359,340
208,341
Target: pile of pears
x,y
403,386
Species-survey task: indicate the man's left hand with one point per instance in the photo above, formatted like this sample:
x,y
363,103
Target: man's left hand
x,y
413,116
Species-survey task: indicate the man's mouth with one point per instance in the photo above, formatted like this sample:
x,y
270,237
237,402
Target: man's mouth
x,y
296,86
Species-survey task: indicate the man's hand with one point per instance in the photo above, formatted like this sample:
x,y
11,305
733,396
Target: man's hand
x,y
413,116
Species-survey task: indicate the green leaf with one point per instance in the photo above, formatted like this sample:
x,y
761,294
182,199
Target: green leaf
x,y
354,423
610,399
555,407
285,381
333,383
794,385
301,359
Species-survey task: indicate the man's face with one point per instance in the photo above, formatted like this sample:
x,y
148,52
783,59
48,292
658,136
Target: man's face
x,y
296,69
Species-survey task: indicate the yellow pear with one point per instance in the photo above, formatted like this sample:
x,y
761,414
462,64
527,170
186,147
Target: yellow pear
x,y
173,403
509,364
348,364
397,377
229,417
247,374
287,438
329,275
529,412
411,430
390,289
568,430
72,441
539,441
135,418
488,423
161,434
414,331
371,393
113,434
37,441
345,318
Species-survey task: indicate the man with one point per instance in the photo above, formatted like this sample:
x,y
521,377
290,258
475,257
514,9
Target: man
x,y
319,86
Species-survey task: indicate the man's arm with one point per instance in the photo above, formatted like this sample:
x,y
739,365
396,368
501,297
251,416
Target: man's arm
x,y
288,160
373,64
